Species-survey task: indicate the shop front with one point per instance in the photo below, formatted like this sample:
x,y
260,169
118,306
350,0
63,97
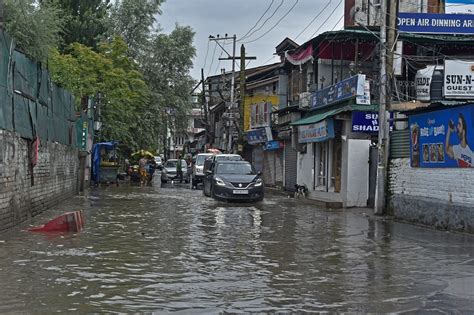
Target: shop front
x,y
332,161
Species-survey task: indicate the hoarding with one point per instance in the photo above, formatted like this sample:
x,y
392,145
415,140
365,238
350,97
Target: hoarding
x,y
429,23
367,122
317,132
273,145
260,135
458,79
343,90
442,138
423,83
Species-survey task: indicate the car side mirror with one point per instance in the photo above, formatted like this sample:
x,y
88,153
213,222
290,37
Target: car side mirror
x,y
259,173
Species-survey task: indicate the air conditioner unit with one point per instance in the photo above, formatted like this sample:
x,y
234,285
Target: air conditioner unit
x,y
305,98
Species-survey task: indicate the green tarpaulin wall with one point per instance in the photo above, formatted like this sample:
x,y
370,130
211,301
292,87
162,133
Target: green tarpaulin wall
x,y
30,104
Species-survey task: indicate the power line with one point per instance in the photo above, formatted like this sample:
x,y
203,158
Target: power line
x,y
278,22
264,22
330,15
261,17
207,52
212,60
311,22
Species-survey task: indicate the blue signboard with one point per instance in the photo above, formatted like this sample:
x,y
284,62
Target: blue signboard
x,y
273,145
367,122
259,135
317,132
431,23
442,138
343,90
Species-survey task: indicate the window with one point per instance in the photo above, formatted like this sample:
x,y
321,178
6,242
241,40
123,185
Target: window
x,y
198,123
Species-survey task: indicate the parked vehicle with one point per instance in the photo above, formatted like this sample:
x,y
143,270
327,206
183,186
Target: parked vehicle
x,y
233,180
169,171
197,169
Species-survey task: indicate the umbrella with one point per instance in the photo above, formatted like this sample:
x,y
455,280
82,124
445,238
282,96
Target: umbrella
x,y
144,153
215,151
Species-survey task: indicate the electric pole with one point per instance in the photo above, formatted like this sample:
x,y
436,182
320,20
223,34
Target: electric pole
x,y
382,139
242,93
204,106
232,108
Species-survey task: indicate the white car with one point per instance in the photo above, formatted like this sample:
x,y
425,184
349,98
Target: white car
x,y
169,172
197,172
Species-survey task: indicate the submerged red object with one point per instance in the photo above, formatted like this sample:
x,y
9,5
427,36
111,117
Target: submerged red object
x,y
67,222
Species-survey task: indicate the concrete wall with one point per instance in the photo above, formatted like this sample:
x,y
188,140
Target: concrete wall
x,y
55,178
438,197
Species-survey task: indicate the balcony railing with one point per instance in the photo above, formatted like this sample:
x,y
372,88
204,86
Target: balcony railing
x,y
404,91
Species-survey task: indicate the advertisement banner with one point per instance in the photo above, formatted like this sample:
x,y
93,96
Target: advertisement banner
x,y
367,122
458,79
321,131
364,99
343,90
430,23
423,83
442,138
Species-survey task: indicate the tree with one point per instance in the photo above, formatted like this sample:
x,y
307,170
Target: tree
x,y
86,22
134,21
35,28
85,72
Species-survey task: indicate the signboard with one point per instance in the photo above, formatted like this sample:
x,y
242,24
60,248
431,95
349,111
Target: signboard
x,y
260,135
343,90
423,83
365,98
430,23
367,122
458,79
442,138
273,145
317,132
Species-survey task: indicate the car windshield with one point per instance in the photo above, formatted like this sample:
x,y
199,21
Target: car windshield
x,y
170,164
200,159
238,169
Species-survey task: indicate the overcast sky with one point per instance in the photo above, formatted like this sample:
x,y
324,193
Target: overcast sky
x,y
212,17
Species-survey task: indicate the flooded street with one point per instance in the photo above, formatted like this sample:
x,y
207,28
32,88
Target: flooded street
x,y
172,249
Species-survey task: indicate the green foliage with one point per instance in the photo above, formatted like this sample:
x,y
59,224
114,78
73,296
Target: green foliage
x,y
86,22
35,28
108,71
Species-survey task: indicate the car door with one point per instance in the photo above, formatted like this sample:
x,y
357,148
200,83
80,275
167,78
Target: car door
x,y
206,181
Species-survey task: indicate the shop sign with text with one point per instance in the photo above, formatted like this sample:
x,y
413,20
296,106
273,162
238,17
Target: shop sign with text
x,y
320,131
458,79
341,91
430,23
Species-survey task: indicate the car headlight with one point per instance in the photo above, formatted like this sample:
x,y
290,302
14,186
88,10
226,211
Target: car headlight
x,y
258,182
219,182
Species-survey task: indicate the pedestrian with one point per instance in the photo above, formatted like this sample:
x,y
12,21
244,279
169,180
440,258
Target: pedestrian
x,y
142,171
179,169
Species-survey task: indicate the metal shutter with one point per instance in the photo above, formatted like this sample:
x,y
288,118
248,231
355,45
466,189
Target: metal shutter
x,y
290,166
400,144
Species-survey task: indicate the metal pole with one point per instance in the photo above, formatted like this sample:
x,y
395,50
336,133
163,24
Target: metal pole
x,y
232,85
381,167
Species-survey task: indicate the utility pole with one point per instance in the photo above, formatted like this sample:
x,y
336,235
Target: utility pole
x,y
231,109
242,93
204,106
382,139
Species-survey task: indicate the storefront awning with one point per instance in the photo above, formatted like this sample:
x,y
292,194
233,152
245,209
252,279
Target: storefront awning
x,y
321,115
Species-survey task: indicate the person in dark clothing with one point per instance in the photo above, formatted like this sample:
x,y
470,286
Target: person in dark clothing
x,y
179,169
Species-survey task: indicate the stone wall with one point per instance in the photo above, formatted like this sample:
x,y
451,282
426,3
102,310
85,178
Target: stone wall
x,y
23,196
438,197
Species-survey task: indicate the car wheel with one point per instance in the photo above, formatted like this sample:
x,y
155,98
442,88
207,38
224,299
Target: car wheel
x,y
204,191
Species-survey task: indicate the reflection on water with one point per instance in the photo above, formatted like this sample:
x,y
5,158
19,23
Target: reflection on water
x,y
171,249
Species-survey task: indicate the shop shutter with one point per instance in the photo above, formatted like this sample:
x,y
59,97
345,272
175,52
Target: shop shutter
x,y
257,158
290,166
400,144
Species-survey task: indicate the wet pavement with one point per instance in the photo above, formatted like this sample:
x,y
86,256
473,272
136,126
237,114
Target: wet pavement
x,y
171,249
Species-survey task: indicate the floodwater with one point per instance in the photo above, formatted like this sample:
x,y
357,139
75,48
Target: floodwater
x,y
171,249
